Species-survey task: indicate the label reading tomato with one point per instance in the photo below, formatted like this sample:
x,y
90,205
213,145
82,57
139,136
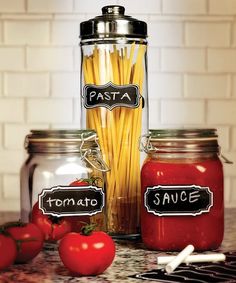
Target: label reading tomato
x,y
72,201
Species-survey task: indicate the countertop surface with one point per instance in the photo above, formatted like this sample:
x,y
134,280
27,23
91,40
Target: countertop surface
x,y
131,258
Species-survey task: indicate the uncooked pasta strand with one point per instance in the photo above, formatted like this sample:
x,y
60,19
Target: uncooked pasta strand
x,y
118,131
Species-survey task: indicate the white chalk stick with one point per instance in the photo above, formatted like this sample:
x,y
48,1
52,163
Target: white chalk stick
x,y
172,265
161,260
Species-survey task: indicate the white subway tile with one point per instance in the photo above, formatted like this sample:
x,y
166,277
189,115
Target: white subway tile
x,y
10,204
227,191
1,144
11,161
66,126
208,34
234,34
207,86
182,60
154,114
11,58
164,85
65,84
50,58
26,32
154,59
165,34
11,186
1,85
12,6
233,139
10,131
91,6
11,110
50,6
1,32
222,112
222,60
223,137
65,33
139,7
182,112
234,86
49,110
230,169
26,84
219,7
187,7
77,59
77,111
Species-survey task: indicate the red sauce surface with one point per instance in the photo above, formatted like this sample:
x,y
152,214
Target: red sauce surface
x,y
204,231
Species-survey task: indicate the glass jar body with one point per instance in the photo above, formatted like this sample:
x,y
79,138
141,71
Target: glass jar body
x,y
115,104
49,170
203,229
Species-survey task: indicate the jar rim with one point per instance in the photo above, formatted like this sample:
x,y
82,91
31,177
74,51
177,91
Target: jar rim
x,y
183,140
183,133
60,134
60,140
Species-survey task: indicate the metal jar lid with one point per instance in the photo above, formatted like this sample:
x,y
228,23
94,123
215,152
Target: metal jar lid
x,y
180,141
60,141
83,142
113,23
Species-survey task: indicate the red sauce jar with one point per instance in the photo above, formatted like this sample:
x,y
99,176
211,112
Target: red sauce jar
x,y
182,190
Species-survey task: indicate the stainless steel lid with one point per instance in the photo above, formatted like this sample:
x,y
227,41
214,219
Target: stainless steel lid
x,y
113,23
180,140
60,141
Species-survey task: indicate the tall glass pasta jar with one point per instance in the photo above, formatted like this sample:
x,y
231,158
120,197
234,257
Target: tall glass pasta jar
x,y
114,103
63,177
182,190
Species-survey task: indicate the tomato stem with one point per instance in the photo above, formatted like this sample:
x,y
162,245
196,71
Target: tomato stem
x,y
5,226
87,229
19,242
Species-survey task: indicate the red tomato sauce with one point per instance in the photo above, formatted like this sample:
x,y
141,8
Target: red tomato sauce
x,y
204,231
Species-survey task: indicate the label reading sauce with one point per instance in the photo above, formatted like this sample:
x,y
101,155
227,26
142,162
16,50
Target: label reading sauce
x,y
178,200
72,201
111,96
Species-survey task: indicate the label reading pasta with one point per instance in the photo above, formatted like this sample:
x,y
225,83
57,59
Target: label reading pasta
x,y
72,201
178,200
111,96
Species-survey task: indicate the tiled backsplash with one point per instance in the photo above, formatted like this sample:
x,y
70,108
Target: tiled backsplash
x,y
192,72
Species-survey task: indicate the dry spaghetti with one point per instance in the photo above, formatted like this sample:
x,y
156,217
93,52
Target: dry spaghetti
x,y
118,131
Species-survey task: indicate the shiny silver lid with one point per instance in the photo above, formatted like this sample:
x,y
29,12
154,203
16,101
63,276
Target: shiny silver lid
x,y
180,140
60,141
113,23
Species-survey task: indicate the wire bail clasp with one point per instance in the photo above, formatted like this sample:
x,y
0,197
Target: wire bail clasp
x,y
145,144
93,156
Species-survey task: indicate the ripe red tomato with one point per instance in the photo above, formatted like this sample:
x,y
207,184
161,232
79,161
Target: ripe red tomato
x,y
29,240
80,182
87,255
53,228
8,251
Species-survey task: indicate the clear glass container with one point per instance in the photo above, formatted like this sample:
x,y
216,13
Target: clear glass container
x,y
57,160
182,190
115,104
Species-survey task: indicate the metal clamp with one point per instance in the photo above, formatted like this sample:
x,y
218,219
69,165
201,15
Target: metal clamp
x,y
86,153
145,144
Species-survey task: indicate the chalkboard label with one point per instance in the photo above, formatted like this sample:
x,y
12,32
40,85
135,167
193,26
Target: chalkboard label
x,y
111,96
178,200
72,201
